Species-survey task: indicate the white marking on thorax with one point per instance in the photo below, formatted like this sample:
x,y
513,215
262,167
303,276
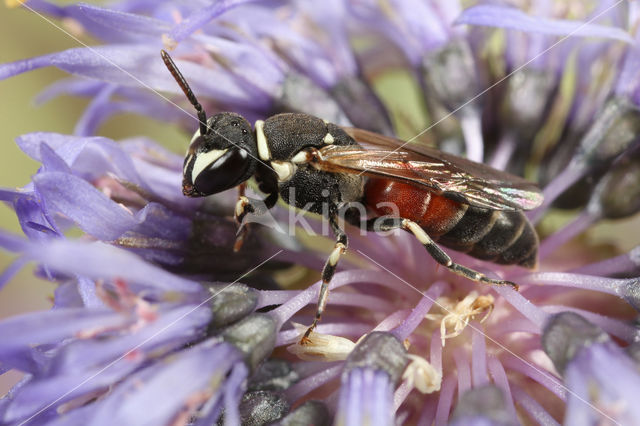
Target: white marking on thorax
x,y
328,139
263,147
284,169
204,160
301,157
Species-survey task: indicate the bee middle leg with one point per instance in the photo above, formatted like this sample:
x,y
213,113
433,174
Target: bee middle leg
x,y
389,223
327,274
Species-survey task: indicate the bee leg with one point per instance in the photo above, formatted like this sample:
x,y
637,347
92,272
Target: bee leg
x,y
389,223
327,274
246,205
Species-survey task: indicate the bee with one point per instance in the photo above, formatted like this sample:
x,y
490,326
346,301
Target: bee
x,y
463,205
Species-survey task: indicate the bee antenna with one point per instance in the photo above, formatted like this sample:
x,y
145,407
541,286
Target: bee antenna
x,y
177,75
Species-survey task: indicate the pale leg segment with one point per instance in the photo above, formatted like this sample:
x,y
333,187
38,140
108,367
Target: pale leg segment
x,y
389,223
327,274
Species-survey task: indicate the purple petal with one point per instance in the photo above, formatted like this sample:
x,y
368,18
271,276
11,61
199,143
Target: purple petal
x,y
95,112
174,327
512,18
34,220
23,331
366,397
67,295
96,214
86,289
56,390
411,322
628,80
422,22
69,86
11,270
137,65
201,17
156,394
604,382
122,21
51,161
102,261
233,393
628,263
156,221
18,67
90,157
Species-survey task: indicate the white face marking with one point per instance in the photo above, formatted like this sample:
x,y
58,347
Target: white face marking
x,y
193,138
283,169
186,163
263,148
328,139
204,160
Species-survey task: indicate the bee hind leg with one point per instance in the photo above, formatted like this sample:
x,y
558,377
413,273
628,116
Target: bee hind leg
x,y
389,223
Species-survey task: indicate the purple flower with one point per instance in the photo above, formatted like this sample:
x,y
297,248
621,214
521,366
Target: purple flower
x,y
156,319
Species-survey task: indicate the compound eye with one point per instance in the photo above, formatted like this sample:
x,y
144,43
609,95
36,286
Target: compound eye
x,y
222,173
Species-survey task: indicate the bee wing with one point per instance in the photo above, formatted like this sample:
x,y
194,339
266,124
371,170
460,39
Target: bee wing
x,y
456,178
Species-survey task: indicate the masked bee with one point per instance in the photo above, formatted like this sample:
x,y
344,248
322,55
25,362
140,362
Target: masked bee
x,y
463,205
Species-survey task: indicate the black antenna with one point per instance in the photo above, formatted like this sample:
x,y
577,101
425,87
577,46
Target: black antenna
x,y
175,72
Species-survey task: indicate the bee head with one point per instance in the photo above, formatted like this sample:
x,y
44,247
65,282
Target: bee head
x,y
220,159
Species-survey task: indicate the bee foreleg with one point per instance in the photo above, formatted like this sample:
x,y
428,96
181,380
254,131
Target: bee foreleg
x,y
245,206
389,223
327,274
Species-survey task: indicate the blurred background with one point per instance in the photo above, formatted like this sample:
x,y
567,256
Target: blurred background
x,y
24,35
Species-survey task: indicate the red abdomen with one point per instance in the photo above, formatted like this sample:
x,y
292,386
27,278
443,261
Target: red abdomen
x,y
505,237
434,213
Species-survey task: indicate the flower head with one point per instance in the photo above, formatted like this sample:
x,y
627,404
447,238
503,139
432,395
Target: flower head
x,y
157,320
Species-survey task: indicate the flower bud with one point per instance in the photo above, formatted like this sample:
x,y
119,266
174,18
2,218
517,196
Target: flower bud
x,y
362,105
450,74
379,351
262,407
231,303
565,334
299,93
310,413
483,405
254,335
617,195
273,375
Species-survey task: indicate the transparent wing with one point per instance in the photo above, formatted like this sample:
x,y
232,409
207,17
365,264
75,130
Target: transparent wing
x,y
454,177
